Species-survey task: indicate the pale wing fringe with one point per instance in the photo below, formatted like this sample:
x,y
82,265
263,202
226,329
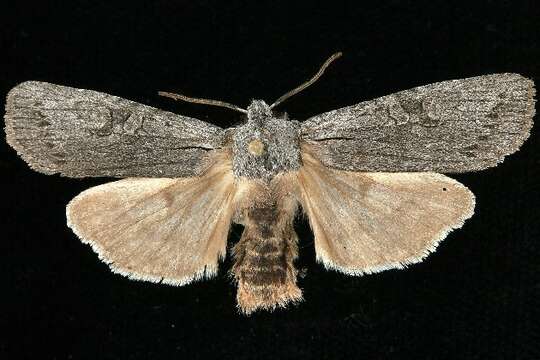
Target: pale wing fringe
x,y
369,222
171,231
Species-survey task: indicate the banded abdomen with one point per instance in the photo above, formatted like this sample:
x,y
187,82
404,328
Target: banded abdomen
x,y
265,253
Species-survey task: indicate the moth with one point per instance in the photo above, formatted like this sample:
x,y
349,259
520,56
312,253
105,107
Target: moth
x,y
368,177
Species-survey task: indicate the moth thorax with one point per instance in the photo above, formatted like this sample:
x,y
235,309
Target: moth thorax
x,y
256,147
265,145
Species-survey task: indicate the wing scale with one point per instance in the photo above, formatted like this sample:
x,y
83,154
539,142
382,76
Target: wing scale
x,y
79,133
369,222
449,127
161,230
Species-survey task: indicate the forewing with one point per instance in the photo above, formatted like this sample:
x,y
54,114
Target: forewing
x,y
451,126
156,229
369,222
79,133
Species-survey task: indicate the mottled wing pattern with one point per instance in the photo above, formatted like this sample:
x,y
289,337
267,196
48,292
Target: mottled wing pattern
x,y
79,133
369,222
451,126
156,229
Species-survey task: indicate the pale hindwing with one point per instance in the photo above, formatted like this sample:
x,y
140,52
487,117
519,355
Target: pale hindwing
x,y
160,230
369,222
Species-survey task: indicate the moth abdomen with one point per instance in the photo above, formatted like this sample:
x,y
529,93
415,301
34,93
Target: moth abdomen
x,y
264,257
264,270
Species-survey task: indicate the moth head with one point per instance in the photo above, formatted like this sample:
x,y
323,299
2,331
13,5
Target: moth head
x,y
258,111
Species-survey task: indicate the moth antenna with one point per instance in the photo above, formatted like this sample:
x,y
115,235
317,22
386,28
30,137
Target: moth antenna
x,y
309,82
201,101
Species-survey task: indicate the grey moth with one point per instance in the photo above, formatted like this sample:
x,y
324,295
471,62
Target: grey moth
x,y
368,177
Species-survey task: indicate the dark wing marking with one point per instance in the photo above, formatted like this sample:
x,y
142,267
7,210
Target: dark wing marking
x,y
451,126
78,133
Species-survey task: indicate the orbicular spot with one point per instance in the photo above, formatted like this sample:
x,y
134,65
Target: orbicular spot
x,y
43,123
256,147
420,110
105,129
497,111
119,116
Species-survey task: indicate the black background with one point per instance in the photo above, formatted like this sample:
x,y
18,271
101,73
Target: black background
x,y
475,298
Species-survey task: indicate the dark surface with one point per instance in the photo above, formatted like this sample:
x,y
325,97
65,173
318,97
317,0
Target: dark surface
x,y
475,298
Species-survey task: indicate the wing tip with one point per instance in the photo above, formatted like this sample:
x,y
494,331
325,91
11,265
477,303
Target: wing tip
x,y
22,87
12,138
527,120
22,152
